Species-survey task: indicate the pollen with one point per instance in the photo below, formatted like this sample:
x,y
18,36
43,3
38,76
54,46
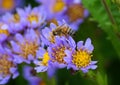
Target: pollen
x,y
75,12
81,58
58,6
7,4
32,18
28,48
59,54
4,31
5,65
46,58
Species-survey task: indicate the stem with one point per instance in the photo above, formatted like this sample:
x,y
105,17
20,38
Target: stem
x,y
109,12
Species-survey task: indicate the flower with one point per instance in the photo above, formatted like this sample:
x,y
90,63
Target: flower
x,y
34,18
14,22
7,66
9,5
57,51
53,7
3,32
80,58
25,47
43,64
49,33
29,75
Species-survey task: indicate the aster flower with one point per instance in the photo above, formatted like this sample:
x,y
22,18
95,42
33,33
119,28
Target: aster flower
x,y
49,33
14,21
9,5
29,75
43,64
80,57
7,66
53,7
25,47
3,32
34,18
57,51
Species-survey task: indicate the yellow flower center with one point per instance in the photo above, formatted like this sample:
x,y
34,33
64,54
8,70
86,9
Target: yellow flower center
x,y
32,18
5,65
46,58
81,58
28,48
75,12
59,54
4,31
8,4
58,6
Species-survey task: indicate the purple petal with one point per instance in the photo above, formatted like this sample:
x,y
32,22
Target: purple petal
x,y
93,67
79,44
72,42
52,26
13,69
17,59
68,58
16,74
88,44
15,47
30,57
40,53
86,13
5,80
41,69
46,32
93,62
51,72
19,38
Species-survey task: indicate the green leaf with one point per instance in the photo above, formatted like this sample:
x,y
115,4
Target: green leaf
x,y
99,13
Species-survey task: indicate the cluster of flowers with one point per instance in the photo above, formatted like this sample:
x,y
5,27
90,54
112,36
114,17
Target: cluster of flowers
x,y
25,39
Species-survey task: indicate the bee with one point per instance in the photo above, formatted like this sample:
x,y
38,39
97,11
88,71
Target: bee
x,y
63,30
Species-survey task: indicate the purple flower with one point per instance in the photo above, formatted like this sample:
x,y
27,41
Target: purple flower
x,y
14,21
29,74
7,66
53,8
33,18
9,5
57,51
80,58
26,47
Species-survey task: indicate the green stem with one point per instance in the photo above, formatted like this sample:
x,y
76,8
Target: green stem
x,y
108,11
110,16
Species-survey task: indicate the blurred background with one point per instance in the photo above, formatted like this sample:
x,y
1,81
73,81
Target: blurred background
x,y
103,27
